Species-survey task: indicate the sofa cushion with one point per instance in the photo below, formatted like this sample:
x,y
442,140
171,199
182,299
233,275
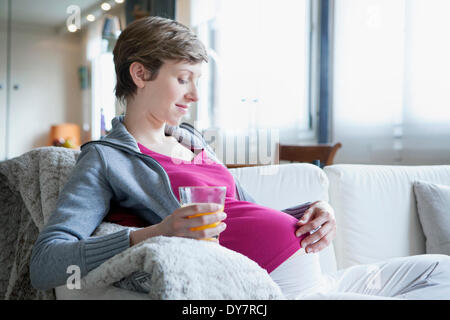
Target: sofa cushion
x,y
287,185
376,212
433,205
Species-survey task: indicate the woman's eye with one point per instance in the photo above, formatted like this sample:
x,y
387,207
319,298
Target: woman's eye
x,y
181,81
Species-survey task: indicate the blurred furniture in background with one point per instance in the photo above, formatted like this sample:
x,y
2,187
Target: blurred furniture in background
x,y
66,135
320,154
233,166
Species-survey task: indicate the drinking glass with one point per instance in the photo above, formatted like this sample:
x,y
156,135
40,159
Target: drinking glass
x,y
191,195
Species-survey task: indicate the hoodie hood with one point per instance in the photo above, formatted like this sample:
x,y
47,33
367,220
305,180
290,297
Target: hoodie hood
x,y
184,133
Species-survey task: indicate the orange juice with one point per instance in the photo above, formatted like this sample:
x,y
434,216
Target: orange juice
x,y
212,225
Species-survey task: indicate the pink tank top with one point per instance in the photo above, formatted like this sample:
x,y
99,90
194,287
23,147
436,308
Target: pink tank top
x,y
265,235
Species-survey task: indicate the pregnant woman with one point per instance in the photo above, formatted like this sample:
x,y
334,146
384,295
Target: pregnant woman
x,y
148,155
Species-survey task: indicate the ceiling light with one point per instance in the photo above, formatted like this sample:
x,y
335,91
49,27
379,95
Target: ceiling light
x,y
72,28
90,17
119,1
105,6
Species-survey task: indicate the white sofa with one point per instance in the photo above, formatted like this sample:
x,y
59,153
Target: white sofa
x,y
375,210
375,206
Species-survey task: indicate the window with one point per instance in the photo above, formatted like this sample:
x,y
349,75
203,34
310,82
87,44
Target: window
x,y
258,73
103,99
102,36
391,99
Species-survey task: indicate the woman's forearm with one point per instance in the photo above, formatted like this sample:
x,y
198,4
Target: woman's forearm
x,y
145,233
56,250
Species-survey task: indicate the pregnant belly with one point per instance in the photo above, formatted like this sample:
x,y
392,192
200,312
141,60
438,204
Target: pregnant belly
x,y
265,235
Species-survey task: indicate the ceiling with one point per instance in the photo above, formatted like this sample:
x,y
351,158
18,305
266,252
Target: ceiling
x,y
48,13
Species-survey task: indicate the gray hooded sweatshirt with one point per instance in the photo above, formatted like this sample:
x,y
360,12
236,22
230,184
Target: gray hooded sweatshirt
x,y
110,170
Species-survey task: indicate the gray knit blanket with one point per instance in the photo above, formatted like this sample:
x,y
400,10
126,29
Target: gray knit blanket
x,y
179,268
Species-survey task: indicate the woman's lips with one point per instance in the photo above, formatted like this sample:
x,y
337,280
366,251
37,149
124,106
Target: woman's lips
x,y
183,109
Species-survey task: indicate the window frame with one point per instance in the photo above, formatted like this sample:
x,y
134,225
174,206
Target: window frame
x,y
313,74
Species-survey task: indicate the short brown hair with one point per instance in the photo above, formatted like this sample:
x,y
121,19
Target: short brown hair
x,y
151,40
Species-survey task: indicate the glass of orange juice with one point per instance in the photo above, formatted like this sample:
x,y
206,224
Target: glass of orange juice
x,y
191,195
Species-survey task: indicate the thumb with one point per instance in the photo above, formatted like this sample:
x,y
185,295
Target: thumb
x,y
306,216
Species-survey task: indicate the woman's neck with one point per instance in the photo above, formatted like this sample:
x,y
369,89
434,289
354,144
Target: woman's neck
x,y
145,128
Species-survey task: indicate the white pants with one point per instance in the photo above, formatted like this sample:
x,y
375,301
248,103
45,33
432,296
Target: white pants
x,y
415,277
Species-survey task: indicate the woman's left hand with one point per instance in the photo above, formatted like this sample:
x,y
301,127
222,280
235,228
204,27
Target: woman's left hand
x,y
320,216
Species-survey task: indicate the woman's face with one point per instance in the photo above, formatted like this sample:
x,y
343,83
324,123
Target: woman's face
x,y
169,97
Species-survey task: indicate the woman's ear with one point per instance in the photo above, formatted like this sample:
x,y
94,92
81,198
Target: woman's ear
x,y
139,74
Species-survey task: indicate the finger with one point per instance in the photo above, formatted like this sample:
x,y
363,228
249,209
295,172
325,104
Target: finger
x,y
309,212
306,216
321,244
205,221
316,236
209,232
320,218
199,209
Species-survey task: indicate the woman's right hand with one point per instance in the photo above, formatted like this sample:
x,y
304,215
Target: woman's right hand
x,y
178,224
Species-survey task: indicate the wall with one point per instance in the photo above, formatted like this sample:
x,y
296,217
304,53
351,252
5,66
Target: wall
x,y
183,12
44,65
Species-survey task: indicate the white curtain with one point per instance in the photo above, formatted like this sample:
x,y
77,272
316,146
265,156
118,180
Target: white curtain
x,y
427,105
390,97
259,49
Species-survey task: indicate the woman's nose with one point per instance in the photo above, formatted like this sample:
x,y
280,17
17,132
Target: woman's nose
x,y
192,95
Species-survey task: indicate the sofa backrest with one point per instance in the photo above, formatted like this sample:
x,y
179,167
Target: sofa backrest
x,y
376,210
287,185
